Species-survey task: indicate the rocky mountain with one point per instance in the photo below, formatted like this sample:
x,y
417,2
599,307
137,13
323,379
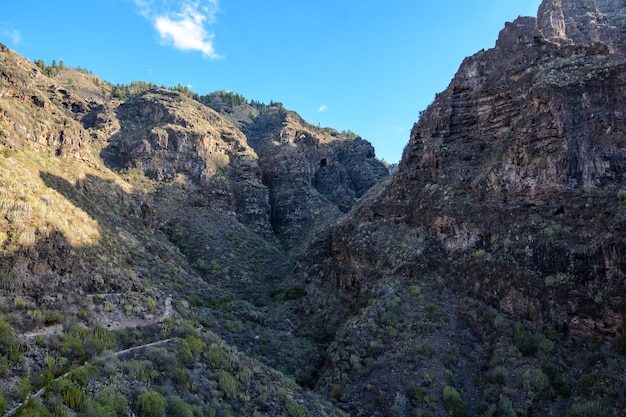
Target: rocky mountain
x,y
163,253
113,209
492,265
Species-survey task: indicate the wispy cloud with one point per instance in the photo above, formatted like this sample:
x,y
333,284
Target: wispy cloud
x,y
12,34
322,108
183,24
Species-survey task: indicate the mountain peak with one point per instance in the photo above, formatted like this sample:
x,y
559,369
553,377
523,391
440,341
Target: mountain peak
x,y
583,22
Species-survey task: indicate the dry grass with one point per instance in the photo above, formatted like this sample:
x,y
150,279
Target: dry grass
x,y
31,210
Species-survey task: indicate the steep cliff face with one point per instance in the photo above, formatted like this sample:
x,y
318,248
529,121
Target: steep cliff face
x,y
535,128
510,192
583,22
164,134
528,137
314,175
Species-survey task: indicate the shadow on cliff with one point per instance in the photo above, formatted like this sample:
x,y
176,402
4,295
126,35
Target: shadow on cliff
x,y
102,199
128,249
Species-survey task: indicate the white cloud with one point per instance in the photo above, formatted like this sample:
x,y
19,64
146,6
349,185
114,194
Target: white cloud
x,y
184,27
322,108
13,34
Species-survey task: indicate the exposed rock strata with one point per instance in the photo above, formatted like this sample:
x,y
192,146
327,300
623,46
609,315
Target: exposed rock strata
x,y
510,191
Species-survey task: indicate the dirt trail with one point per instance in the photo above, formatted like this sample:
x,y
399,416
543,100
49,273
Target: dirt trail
x,y
56,329
120,324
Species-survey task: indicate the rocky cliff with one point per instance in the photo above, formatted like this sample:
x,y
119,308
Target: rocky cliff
x,y
535,127
222,257
108,204
506,219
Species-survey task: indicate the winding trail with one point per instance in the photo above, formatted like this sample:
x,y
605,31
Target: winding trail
x,y
57,329
119,325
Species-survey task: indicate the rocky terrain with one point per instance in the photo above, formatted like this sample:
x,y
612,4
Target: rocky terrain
x,y
169,254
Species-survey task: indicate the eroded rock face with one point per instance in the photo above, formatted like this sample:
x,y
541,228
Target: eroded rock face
x,y
165,134
583,22
314,175
516,172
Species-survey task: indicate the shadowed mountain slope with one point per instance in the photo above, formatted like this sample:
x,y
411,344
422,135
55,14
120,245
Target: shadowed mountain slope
x,y
485,278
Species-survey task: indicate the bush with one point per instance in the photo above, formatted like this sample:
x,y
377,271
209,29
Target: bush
x,y
176,407
75,398
229,385
536,383
619,343
453,402
530,342
499,375
23,388
555,231
588,409
9,345
180,375
296,410
113,400
151,404
5,367
505,407
220,358
3,404
196,344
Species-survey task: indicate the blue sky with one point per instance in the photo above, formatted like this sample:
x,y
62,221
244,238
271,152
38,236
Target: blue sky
x,y
369,66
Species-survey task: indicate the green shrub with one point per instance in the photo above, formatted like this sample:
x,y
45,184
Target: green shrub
x,y
9,345
180,375
499,375
555,231
176,407
535,382
113,400
161,359
426,349
556,378
619,343
151,404
75,398
23,388
3,404
505,407
5,367
296,410
586,384
420,395
34,408
196,344
229,385
588,409
454,403
151,303
220,358
530,342
141,370
184,354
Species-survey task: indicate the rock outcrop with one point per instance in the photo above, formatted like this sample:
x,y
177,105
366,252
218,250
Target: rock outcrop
x,y
314,175
164,134
527,144
510,192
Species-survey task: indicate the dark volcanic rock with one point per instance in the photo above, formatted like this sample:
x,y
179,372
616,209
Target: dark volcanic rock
x,y
164,134
510,193
534,130
314,175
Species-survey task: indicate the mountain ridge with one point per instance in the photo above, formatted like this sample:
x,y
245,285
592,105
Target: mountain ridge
x,y
485,277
